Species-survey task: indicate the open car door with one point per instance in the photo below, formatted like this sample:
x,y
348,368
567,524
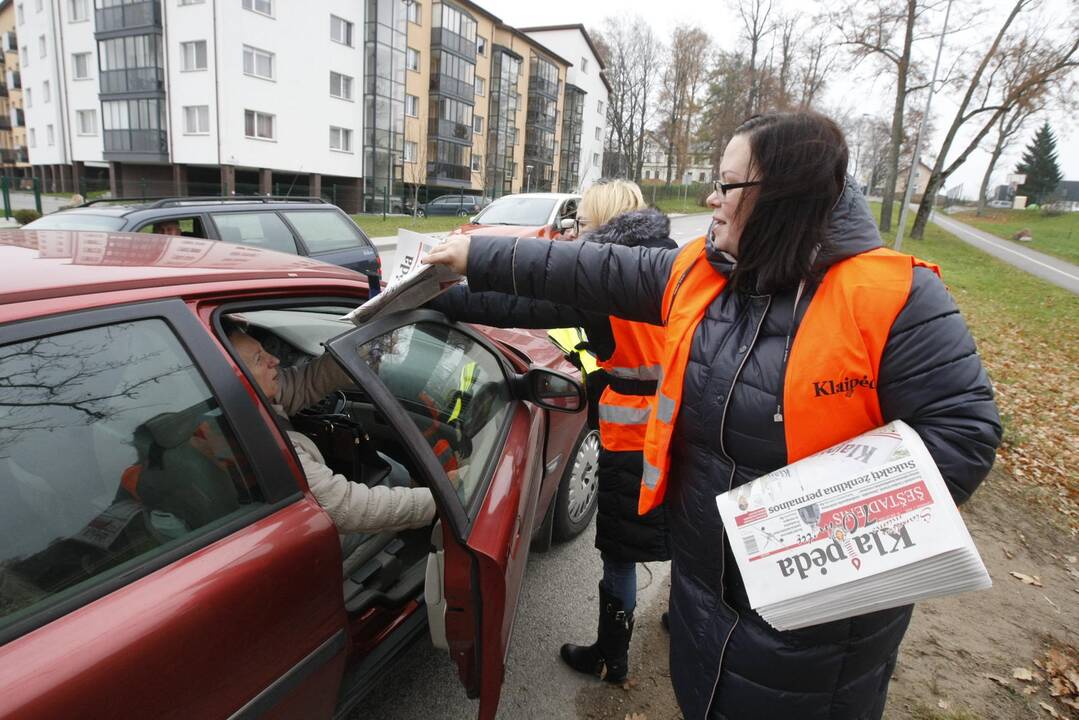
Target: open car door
x,y
448,396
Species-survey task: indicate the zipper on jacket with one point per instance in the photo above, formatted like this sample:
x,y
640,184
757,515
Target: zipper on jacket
x,y
730,484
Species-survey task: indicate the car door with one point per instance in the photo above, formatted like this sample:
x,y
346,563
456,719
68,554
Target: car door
x,y
261,228
447,391
157,556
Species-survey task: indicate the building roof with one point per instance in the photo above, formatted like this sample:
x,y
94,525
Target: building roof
x,y
591,46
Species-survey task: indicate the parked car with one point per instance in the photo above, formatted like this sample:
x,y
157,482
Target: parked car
x,y
542,215
301,226
161,554
459,205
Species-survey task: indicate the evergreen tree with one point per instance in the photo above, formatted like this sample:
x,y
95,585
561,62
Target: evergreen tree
x,y
1039,164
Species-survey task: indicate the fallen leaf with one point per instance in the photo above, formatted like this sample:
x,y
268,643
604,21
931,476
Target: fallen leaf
x,y
1030,689
636,716
1049,709
1007,553
1072,558
1027,579
1024,674
997,679
629,684
942,704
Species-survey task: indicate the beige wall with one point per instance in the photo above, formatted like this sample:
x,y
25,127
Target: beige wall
x,y
16,137
485,28
418,84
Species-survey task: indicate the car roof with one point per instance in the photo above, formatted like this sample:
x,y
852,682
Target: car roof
x,y
556,196
122,207
40,264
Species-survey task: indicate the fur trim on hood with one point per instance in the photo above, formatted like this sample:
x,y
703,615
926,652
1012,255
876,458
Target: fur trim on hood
x,y
639,227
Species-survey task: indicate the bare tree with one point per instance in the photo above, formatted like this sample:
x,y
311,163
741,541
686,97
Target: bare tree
x,y
817,64
1009,124
756,26
680,95
415,170
1016,68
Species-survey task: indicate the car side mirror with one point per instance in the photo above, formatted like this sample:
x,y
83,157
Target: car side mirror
x,y
552,390
566,223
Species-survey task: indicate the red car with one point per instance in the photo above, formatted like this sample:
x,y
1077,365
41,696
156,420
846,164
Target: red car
x,y
161,555
542,215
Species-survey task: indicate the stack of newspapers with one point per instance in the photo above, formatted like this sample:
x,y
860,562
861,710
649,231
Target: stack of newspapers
x,y
862,526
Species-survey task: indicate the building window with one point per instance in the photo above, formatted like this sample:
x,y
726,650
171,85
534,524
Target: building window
x,y
410,151
481,86
18,13
412,106
599,107
87,122
599,133
258,63
412,59
80,66
477,124
192,2
340,139
46,90
193,55
260,125
197,120
24,57
477,163
481,45
413,11
584,65
33,137
262,7
595,159
41,46
340,30
340,86
78,10
50,136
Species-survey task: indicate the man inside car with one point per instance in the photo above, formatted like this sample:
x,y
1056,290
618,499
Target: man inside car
x,y
354,508
168,227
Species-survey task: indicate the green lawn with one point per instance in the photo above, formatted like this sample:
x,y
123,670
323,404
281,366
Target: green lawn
x,y
1054,235
376,226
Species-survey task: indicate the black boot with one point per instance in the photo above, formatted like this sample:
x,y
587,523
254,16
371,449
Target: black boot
x,y
611,649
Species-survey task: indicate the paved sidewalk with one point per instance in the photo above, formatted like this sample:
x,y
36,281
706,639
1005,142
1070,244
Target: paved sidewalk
x,y
1057,271
49,203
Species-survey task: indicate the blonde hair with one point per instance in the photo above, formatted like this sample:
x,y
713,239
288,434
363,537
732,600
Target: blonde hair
x,y
606,200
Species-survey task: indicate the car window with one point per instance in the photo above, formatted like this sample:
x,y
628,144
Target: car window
x,y
515,210
189,227
260,229
113,450
75,221
454,390
324,230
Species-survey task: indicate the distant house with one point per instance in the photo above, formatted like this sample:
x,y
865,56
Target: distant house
x,y
1067,195
921,177
654,168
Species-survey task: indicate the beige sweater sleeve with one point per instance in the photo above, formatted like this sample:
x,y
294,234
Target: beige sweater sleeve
x,y
306,384
358,508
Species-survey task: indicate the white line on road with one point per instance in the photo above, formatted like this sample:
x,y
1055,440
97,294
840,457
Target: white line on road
x,y
945,222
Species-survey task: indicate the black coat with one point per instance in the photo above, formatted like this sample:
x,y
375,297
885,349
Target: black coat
x,y
726,662
621,533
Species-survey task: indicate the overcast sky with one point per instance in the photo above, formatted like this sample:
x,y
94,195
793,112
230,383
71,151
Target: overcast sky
x,y
864,90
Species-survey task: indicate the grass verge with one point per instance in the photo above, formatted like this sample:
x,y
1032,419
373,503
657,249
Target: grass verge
x,y
1056,235
1027,332
376,226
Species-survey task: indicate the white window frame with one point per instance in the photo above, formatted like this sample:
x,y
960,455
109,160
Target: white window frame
x,y
477,160
193,47
411,53
42,46
253,6
256,116
20,16
346,80
481,40
191,2
413,11
599,133
24,57
600,107
50,135
73,7
79,115
408,155
347,25
75,65
200,113
29,97
344,139
584,65
46,90
474,130
33,137
414,101
250,51
481,87
595,159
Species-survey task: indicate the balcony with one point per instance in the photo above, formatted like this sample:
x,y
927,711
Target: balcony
x,y
541,86
3,90
133,80
446,85
5,122
450,130
142,142
11,42
22,154
129,16
444,172
441,38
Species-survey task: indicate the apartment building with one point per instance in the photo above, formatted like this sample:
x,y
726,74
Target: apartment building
x,y
358,102
14,156
697,163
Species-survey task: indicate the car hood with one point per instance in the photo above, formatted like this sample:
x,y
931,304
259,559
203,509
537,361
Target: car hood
x,y
503,230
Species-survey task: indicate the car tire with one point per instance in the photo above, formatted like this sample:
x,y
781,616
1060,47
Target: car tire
x,y
462,213
578,491
421,213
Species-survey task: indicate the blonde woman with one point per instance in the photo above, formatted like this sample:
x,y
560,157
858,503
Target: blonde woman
x,y
628,354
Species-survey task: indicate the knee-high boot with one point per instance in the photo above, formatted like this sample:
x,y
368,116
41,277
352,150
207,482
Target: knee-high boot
x,y
608,657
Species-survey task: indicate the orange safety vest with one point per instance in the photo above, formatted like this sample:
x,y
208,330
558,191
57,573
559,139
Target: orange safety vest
x,y
638,350
830,386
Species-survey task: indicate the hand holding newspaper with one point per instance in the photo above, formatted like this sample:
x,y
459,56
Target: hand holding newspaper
x,y
865,525
411,284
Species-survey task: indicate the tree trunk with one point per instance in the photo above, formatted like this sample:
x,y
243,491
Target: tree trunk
x,y
936,182
897,121
989,171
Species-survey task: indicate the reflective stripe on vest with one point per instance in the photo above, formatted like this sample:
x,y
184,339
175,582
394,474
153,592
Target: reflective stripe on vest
x,y
830,386
623,418
567,340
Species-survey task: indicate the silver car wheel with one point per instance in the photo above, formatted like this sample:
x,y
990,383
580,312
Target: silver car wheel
x,y
584,478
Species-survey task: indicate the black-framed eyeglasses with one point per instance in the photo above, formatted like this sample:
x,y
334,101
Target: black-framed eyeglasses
x,y
723,188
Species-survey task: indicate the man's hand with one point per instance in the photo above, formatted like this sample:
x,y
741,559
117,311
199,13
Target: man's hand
x,y
453,253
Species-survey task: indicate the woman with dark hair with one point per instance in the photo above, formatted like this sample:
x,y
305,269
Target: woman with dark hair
x,y
789,288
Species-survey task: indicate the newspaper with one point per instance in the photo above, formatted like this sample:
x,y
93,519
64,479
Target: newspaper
x,y
411,284
864,525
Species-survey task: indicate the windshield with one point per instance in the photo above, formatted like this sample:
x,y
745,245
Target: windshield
x,y
516,210
75,221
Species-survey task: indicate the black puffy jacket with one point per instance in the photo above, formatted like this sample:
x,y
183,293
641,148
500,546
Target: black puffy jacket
x,y
621,533
726,662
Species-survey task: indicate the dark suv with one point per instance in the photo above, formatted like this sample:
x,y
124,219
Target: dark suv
x,y
459,205
300,226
